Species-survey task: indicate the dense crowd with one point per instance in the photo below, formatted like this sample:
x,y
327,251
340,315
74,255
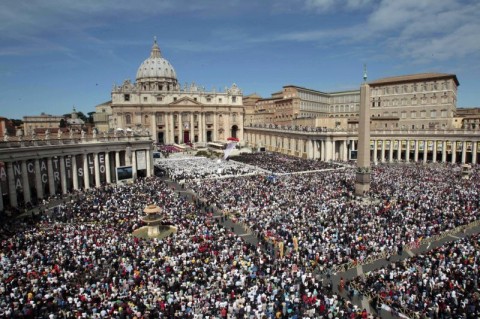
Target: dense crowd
x,y
279,163
188,168
442,283
319,210
81,262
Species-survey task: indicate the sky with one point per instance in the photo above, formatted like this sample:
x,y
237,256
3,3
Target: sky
x,y
60,54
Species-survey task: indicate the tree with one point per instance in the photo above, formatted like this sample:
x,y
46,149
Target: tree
x,y
90,117
63,123
16,122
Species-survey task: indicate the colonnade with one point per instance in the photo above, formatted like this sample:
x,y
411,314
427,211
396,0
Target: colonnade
x,y
33,174
338,145
418,150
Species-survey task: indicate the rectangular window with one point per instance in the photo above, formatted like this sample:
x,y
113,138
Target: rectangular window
x,y
144,99
126,97
413,115
159,98
234,99
433,114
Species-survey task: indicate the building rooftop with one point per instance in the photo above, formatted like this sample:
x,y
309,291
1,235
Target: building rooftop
x,y
414,77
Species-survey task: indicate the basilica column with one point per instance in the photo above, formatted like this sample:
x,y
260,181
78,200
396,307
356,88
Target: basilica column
x,y
215,128
38,179
324,149
26,186
464,152
51,181
108,175
172,126
345,150
434,155
204,127
228,128
86,175
12,191
180,128
63,174
454,151
192,128
154,127
474,152
444,151
97,170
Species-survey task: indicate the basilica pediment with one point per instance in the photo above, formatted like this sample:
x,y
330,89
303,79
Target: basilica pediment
x,y
185,101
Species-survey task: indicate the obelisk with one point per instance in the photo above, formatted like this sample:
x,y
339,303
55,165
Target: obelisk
x,y
362,179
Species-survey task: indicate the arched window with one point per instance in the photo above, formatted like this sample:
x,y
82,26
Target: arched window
x,y
128,119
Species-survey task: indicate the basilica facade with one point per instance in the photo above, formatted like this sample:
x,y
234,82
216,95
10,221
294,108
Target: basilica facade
x,y
156,103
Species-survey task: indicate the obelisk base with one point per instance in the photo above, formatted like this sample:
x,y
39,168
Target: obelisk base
x,y
362,183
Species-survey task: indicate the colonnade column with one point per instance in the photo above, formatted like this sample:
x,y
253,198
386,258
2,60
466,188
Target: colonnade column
x,y
345,150
108,175
416,151
407,154
399,151
390,152
26,185
474,153
97,170
38,179
117,158
454,151
382,154
134,164
86,176
204,128
434,155
464,152
63,175
1,198
444,151
309,149
74,174
51,181
375,143
11,185
425,151
148,156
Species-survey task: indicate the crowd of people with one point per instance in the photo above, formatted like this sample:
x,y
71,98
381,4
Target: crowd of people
x,y
442,283
81,261
280,163
188,168
319,210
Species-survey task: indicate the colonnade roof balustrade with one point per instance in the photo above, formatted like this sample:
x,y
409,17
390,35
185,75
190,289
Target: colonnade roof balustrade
x,y
350,132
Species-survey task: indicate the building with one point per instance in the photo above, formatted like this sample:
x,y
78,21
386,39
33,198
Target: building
x,y
416,101
102,117
157,103
40,123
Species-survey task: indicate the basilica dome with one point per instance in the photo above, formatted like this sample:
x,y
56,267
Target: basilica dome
x,y
156,67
